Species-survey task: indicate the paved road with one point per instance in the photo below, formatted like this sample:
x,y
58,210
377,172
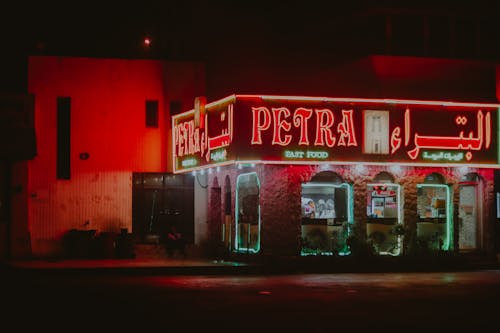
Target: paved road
x,y
423,302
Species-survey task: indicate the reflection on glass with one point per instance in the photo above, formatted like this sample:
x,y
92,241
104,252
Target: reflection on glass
x,y
326,216
468,217
247,231
383,214
383,200
435,216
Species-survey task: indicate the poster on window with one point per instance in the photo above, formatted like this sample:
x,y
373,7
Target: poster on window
x,y
318,206
378,207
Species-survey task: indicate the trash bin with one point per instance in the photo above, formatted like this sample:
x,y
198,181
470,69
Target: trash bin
x,y
124,245
106,244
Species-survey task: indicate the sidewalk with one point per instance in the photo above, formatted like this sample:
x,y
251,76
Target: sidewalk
x,y
139,266
257,265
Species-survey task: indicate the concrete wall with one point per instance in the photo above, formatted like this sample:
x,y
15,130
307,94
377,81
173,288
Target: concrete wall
x,y
107,122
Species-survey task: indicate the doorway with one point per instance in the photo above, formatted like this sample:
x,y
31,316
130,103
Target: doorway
x,y
384,214
160,199
470,212
435,213
247,224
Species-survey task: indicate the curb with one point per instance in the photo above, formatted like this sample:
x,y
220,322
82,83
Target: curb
x,y
268,268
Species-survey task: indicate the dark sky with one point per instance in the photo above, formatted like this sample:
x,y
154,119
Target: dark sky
x,y
221,30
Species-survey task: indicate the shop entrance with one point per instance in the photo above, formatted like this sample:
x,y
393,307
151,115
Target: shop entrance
x,y
160,199
327,215
384,214
247,224
470,213
435,214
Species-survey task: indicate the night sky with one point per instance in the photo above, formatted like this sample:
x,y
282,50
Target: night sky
x,y
241,30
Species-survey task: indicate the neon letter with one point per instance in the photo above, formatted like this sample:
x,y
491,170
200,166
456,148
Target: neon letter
x,y
300,117
196,139
324,122
395,139
407,126
281,124
187,141
261,120
488,130
179,139
346,129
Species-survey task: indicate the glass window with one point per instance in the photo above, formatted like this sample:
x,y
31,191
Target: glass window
x,y
431,202
434,216
248,213
383,202
153,180
384,213
326,215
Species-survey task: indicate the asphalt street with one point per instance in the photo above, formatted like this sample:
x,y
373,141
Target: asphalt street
x,y
61,300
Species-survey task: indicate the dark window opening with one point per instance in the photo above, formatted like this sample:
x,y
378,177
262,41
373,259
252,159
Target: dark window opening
x,y
152,114
63,137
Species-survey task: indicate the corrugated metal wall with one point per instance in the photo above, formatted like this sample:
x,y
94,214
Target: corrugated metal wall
x,y
100,201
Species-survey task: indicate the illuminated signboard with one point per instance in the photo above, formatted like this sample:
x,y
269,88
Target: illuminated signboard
x,y
286,129
203,136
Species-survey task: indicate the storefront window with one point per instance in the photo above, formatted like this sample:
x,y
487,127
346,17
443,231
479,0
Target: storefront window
x,y
248,213
434,225
469,212
383,202
326,217
384,214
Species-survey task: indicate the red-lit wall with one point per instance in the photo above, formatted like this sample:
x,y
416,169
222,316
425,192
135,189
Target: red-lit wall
x,y
107,122
366,77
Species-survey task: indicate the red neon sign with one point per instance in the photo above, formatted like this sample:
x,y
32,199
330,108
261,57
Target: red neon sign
x,y
324,134
458,142
310,130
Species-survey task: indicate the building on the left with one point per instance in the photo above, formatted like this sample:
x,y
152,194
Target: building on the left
x,y
17,145
102,142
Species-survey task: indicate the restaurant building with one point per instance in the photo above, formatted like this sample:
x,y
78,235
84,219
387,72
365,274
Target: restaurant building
x,y
291,175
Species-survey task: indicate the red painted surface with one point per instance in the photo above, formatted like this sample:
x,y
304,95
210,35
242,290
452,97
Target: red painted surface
x,y
368,77
107,106
108,123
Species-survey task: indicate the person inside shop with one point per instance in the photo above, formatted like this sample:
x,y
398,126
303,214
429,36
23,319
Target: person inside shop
x,y
309,208
174,242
